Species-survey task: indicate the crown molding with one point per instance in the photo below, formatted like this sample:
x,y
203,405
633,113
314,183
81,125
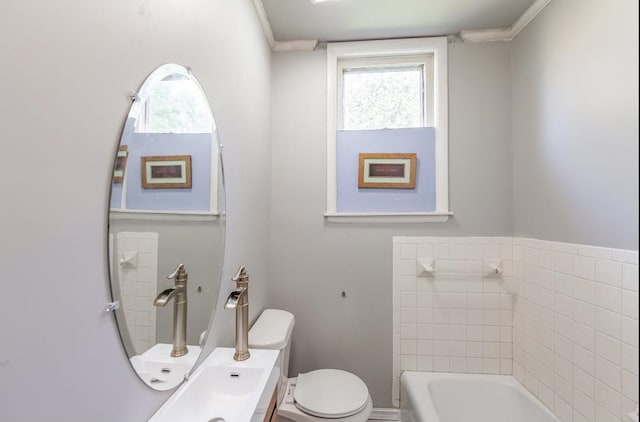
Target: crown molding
x,y
484,35
264,22
305,45
506,34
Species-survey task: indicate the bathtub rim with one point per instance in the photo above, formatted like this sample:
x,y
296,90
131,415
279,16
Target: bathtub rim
x,y
424,404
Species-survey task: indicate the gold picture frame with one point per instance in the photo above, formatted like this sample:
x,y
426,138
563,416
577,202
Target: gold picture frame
x,y
166,172
121,164
387,170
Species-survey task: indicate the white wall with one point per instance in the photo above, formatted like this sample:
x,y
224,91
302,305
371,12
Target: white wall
x,y
575,124
313,261
67,68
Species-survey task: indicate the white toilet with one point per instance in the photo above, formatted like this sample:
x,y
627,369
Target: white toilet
x,y
321,395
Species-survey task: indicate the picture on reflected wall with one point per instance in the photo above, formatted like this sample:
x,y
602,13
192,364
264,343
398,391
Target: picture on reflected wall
x,y
166,172
121,164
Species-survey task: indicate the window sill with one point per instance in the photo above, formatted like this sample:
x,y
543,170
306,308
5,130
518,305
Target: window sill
x,y
119,214
383,217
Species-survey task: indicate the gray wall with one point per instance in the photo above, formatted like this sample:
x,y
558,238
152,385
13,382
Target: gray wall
x,y
312,261
575,124
67,69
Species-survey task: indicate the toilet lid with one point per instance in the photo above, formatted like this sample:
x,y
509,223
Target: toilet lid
x,y
330,393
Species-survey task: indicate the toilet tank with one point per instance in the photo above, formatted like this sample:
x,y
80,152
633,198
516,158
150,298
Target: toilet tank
x,y
272,330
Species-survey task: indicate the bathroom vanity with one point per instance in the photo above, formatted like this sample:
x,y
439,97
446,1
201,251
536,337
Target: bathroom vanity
x,y
225,390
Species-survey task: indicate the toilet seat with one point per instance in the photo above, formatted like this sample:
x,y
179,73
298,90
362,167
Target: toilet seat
x,y
288,411
330,393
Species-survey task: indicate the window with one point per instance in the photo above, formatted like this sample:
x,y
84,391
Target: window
x,y
384,93
387,97
176,105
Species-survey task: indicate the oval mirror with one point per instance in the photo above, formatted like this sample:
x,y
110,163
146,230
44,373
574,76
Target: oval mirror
x,y
166,226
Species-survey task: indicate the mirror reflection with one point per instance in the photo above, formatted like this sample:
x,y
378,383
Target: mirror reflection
x,y
166,226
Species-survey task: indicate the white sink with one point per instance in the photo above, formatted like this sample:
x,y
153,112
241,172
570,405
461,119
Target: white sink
x,y
157,368
222,388
230,381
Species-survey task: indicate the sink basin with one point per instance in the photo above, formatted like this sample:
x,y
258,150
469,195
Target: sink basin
x,y
229,381
156,366
163,376
222,388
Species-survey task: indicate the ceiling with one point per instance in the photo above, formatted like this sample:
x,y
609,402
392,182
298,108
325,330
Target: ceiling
x,y
349,20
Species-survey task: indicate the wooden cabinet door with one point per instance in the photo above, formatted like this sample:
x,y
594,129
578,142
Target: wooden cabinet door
x,y
272,412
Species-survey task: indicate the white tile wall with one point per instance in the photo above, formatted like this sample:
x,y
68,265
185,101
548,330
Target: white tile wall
x,y
457,318
575,328
138,286
569,333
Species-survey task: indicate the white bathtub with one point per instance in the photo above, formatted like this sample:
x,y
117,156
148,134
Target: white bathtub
x,y
445,397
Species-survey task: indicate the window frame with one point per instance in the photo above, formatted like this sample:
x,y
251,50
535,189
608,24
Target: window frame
x,y
359,50
143,125
396,61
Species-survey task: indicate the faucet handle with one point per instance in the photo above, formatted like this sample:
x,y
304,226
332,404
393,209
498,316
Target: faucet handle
x,y
241,276
179,274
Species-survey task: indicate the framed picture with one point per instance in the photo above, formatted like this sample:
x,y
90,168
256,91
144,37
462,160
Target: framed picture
x,y
166,171
387,170
121,163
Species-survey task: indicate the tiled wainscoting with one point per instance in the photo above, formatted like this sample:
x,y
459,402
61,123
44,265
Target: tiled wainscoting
x,y
562,318
457,317
137,264
575,328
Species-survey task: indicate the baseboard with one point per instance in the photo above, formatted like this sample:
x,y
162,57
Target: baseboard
x,y
384,414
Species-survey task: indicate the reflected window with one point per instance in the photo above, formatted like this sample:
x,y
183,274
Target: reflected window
x,y
176,105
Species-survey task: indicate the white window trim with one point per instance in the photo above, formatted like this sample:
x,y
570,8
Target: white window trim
x,y
424,60
150,215
385,48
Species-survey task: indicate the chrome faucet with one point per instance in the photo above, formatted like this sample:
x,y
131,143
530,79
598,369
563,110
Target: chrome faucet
x,y
179,296
239,300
